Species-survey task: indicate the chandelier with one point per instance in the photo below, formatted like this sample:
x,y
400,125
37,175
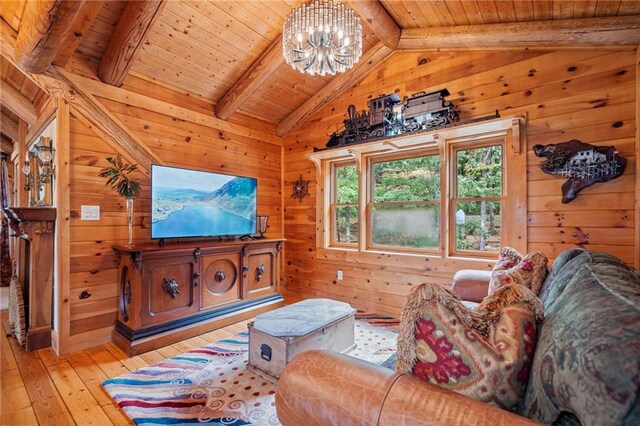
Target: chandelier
x,y
321,37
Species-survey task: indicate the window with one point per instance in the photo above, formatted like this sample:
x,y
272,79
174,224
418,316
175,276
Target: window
x,y
456,192
477,200
344,207
405,207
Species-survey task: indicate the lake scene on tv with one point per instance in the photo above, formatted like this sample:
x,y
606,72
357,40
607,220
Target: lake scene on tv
x,y
189,203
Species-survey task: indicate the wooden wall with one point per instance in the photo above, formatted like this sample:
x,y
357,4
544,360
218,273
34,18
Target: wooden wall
x,y
177,143
583,94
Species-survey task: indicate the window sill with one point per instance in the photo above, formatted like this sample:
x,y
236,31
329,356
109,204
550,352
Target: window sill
x,y
427,263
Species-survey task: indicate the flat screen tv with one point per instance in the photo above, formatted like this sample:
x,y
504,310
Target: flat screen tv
x,y
190,203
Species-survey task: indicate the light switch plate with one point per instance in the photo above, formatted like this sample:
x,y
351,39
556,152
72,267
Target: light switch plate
x,y
89,212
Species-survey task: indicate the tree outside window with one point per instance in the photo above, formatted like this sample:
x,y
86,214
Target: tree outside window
x,y
479,197
405,211
345,205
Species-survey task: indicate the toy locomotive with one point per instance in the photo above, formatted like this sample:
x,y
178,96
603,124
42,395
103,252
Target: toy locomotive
x,y
389,116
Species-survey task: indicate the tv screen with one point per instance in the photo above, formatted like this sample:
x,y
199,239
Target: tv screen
x,y
190,203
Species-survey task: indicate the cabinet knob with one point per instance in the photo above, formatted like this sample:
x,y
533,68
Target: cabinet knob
x,y
245,268
220,276
196,275
195,283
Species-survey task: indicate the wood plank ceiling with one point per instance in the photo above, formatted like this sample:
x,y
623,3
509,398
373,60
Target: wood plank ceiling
x,y
203,48
15,83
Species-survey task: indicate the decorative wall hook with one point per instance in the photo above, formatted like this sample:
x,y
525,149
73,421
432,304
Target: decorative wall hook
x,y
584,164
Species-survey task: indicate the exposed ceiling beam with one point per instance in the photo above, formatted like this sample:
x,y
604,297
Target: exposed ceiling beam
x,y
372,14
56,84
252,79
45,25
8,127
84,19
18,103
6,145
98,118
372,57
127,39
376,17
616,32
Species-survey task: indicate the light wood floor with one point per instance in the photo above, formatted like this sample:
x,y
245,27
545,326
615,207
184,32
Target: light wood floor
x,y
39,388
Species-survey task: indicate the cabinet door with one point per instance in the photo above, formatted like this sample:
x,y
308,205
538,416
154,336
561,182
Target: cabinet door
x,y
169,292
260,278
220,281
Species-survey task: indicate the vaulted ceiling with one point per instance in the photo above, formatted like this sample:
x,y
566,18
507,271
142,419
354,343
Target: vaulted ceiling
x,y
227,53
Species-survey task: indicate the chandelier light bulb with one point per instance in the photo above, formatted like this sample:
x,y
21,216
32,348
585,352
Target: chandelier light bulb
x,y
321,37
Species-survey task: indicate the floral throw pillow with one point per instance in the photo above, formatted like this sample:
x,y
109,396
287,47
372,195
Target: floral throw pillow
x,y
484,353
512,268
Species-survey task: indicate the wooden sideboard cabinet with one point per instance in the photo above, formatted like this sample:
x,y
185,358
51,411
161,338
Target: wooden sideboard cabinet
x,y
177,291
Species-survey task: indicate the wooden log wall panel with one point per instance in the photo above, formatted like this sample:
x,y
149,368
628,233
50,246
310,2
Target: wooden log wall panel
x,y
93,264
586,95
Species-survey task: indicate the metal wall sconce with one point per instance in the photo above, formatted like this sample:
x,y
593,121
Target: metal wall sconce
x,y
39,171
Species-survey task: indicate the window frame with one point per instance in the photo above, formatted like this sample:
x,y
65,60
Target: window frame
x,y
453,199
505,131
383,158
334,204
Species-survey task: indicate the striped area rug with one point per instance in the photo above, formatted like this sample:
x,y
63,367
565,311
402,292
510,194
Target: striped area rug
x,y
212,384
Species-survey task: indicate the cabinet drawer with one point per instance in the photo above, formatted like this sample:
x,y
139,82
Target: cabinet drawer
x,y
220,280
170,290
261,275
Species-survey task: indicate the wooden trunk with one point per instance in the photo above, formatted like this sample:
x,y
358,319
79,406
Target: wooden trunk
x,y
177,291
271,354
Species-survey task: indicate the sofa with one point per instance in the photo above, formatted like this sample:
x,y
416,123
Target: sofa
x,y
585,369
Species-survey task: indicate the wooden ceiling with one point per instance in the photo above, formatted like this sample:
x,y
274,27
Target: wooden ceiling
x,y
205,48
20,99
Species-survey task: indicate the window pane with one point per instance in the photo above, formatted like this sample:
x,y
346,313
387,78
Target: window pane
x,y
408,225
478,226
480,172
346,184
346,225
411,179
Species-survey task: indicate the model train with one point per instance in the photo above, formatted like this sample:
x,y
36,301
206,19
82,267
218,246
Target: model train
x,y
389,116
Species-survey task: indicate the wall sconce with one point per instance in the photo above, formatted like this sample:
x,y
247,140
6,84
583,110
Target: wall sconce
x,y
42,156
45,155
26,170
261,225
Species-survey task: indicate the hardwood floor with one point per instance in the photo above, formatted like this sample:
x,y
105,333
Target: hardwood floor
x,y
38,388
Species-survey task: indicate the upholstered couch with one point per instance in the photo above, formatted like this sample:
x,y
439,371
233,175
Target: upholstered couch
x,y
586,368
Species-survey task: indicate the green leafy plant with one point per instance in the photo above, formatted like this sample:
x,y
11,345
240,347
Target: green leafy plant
x,y
119,177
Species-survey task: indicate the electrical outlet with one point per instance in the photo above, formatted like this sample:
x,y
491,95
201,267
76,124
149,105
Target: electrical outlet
x,y
339,275
89,212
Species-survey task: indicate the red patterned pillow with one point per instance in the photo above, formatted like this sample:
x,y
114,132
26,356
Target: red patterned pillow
x,y
507,259
530,271
483,353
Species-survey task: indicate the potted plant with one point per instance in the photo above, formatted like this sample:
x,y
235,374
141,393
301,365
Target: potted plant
x,y
119,178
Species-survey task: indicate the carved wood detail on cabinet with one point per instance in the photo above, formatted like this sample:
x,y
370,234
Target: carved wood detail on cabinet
x,y
169,290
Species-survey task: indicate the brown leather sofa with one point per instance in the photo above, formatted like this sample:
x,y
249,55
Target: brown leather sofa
x,y
328,388
589,336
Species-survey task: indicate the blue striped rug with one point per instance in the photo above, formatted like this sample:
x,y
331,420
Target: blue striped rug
x,y
212,385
